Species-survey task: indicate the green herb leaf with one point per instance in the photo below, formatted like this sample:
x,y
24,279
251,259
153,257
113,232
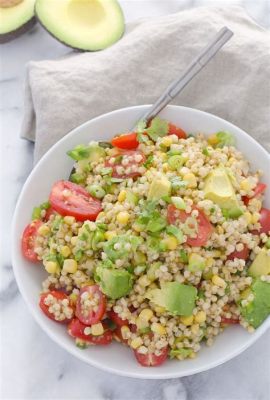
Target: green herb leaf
x,y
80,152
149,161
225,139
183,255
158,128
173,230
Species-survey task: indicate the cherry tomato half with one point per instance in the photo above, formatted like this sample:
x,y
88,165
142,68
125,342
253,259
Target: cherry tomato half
x,y
128,141
132,154
260,188
68,198
175,130
150,359
116,319
205,228
92,316
242,254
265,220
28,241
45,308
76,330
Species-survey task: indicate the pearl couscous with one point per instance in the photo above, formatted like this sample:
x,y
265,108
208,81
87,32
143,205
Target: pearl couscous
x,y
159,240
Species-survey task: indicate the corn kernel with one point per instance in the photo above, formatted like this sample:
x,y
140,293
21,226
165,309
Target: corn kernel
x,y
255,218
65,251
90,282
166,141
170,242
195,329
51,267
135,343
97,329
138,228
125,331
43,230
216,253
100,215
144,281
248,217
146,314
165,167
245,185
74,240
70,266
123,217
218,281
122,196
69,220
212,140
159,309
209,262
109,235
73,298
187,320
158,328
192,355
141,323
200,317
191,180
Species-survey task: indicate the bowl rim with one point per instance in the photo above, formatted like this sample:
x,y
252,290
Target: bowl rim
x,y
37,317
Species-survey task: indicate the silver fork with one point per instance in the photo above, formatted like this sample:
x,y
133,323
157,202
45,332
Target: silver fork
x,y
192,70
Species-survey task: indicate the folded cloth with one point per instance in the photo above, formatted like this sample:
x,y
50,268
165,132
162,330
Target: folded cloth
x,y
235,85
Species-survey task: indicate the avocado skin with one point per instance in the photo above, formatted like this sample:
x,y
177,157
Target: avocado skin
x,y
8,37
258,309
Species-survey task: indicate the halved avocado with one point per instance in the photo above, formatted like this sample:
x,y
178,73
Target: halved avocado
x,y
87,25
17,17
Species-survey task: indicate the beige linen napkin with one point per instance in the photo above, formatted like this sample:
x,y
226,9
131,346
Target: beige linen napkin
x,y
64,93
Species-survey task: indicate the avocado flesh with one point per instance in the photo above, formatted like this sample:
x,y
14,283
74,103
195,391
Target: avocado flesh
x,y
88,25
16,20
114,283
175,297
260,265
259,308
159,188
219,189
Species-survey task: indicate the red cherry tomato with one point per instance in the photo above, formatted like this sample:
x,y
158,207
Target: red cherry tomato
x,y
131,154
128,141
116,319
242,254
205,228
150,359
117,333
45,308
231,321
91,317
76,330
260,188
68,198
265,220
28,241
175,130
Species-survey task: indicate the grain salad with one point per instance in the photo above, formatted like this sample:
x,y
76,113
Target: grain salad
x,y
159,240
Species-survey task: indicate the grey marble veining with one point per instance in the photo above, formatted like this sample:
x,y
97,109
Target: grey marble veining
x,y
31,365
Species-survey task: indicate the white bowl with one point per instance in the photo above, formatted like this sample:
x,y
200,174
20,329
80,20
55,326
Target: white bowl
x,y
55,165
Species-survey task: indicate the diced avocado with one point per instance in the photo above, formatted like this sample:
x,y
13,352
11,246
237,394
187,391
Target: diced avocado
x,y
196,262
258,309
17,17
261,264
115,283
84,25
159,188
91,153
219,189
176,298
120,247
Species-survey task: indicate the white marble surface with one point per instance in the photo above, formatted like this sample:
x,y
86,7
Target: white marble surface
x,y
34,367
